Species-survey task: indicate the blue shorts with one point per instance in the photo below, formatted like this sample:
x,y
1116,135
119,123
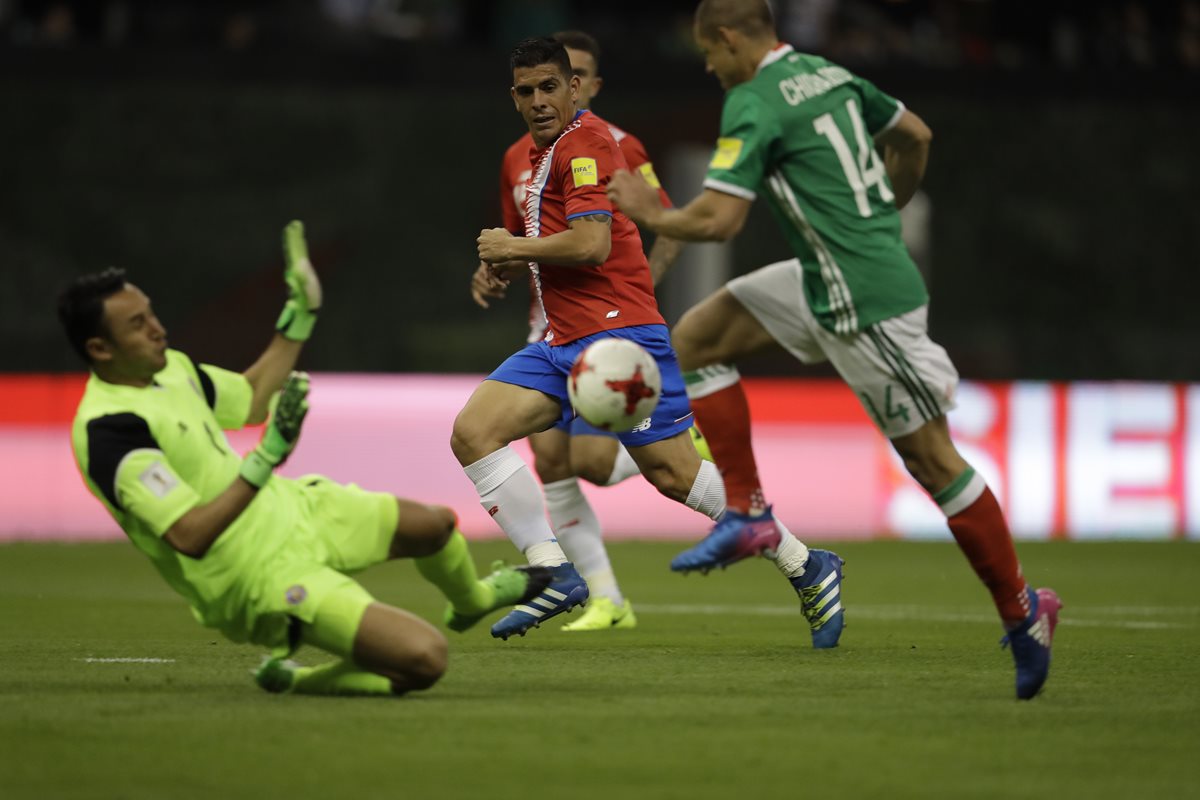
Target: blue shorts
x,y
581,427
545,368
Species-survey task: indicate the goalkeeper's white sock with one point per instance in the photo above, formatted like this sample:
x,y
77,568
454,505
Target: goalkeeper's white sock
x,y
578,531
509,493
623,467
708,492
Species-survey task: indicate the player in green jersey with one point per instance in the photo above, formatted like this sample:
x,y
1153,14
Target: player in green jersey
x,y
806,132
261,558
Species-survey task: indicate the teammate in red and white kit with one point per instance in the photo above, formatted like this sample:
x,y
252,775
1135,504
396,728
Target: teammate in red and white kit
x,y
592,281
581,450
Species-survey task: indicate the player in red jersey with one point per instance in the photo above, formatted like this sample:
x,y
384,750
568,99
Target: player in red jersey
x,y
592,281
561,457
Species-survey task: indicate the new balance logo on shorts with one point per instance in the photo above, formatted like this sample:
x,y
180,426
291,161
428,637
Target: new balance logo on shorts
x,y
644,425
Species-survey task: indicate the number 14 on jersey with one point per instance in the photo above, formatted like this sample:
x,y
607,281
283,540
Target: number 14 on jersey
x,y
864,171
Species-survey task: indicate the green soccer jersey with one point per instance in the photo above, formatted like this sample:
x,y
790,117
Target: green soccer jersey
x,y
802,129
150,454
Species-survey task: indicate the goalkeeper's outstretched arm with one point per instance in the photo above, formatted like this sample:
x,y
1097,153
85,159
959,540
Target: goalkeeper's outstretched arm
x,y
294,327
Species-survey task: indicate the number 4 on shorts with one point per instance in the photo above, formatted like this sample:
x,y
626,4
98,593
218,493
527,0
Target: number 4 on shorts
x,y
891,411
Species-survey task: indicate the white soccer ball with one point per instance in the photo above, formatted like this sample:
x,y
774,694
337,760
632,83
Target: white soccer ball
x,y
615,385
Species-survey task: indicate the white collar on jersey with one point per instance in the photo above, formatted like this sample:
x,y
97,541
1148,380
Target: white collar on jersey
x,y
773,56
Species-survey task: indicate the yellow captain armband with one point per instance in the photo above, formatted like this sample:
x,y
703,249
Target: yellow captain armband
x,y
647,171
727,153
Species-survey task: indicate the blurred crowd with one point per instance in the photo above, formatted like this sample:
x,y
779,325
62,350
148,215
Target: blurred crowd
x,y
1002,34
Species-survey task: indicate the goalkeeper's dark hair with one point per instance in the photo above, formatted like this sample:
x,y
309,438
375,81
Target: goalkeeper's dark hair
x,y
578,40
81,306
540,50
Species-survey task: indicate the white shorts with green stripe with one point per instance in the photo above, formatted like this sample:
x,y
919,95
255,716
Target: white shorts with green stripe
x,y
902,378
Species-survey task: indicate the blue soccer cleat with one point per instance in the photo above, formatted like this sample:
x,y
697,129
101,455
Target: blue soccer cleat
x,y
735,537
820,590
565,591
509,586
1031,642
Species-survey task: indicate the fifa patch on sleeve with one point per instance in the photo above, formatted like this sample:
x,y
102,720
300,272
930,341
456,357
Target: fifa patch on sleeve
x,y
158,479
583,170
647,171
726,154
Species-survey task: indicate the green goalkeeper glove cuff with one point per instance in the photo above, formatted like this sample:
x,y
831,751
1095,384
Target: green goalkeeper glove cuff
x,y
295,323
304,288
255,469
288,409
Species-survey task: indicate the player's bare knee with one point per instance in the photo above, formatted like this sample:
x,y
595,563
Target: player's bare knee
x,y
550,467
435,534
428,663
932,469
918,469
421,530
930,456
669,481
691,341
595,468
469,440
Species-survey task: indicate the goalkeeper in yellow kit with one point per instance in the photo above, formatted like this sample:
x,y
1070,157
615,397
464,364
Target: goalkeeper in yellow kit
x,y
261,558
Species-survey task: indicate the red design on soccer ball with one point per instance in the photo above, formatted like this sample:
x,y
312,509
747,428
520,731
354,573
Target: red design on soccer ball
x,y
634,389
578,369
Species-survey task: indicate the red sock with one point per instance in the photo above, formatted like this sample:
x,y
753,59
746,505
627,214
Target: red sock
x,y
982,535
724,417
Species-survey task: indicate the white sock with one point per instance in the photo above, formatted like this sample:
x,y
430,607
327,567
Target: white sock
x,y
545,554
604,584
623,467
578,531
708,492
792,554
509,493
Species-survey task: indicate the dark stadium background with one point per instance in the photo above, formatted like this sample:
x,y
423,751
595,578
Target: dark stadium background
x,y
175,138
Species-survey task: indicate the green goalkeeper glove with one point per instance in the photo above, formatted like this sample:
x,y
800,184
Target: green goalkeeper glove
x,y
288,408
304,289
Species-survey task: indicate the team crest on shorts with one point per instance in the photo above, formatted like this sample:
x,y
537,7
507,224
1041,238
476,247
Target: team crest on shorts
x,y
296,594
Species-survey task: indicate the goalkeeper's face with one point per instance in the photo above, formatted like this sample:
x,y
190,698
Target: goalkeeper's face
x,y
133,344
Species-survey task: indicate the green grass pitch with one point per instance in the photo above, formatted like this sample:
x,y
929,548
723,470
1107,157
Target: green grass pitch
x,y
716,694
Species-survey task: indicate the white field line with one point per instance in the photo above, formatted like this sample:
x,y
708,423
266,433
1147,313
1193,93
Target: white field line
x,y
1147,611
922,613
127,660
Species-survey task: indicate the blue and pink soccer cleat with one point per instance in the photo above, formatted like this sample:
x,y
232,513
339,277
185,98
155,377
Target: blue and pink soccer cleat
x,y
736,536
565,591
820,591
1031,641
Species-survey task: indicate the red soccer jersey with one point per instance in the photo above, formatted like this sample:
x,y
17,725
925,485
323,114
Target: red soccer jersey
x,y
515,172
